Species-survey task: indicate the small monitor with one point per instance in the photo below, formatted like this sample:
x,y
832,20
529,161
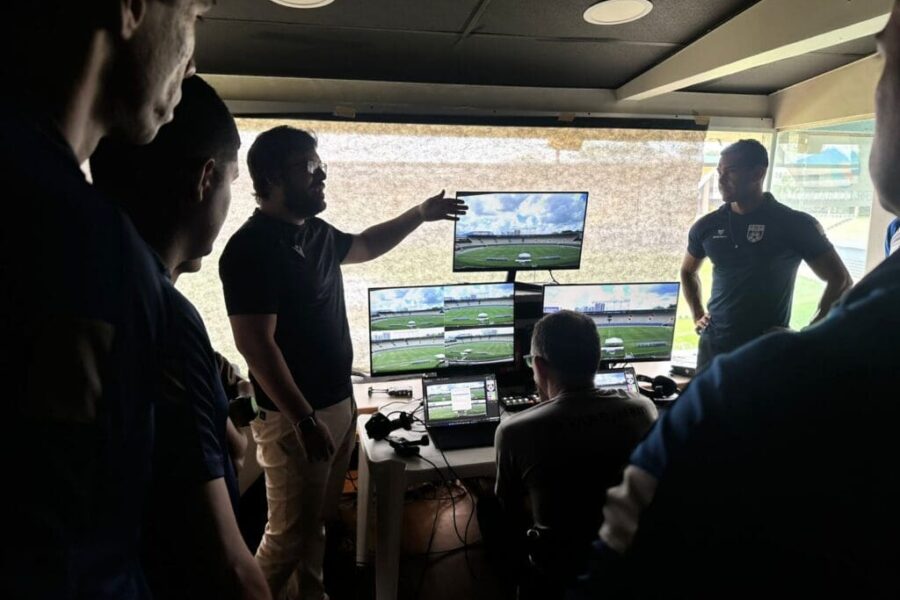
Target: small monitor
x,y
635,321
616,379
430,328
459,400
520,231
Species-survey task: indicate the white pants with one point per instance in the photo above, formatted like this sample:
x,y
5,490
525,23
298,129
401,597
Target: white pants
x,y
301,495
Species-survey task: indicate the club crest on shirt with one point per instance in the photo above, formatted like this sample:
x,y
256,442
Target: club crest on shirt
x,y
755,233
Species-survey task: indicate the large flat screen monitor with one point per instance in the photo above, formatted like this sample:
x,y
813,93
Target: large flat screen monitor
x,y
518,231
431,328
635,321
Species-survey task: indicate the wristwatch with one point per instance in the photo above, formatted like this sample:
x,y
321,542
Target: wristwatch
x,y
308,422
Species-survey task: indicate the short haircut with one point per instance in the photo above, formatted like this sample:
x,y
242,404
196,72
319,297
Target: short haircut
x,y
268,153
568,340
138,177
751,153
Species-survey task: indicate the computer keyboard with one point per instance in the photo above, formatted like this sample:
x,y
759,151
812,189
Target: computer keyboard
x,y
518,401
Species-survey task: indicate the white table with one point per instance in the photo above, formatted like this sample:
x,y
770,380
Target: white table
x,y
381,469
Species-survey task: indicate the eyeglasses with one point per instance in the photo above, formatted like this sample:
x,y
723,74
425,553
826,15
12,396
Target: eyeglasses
x,y
529,360
311,166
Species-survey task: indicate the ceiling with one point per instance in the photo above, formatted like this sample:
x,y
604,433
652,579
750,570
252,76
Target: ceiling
x,y
537,43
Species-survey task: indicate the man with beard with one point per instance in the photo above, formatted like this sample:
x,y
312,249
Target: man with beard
x,y
756,245
285,299
775,473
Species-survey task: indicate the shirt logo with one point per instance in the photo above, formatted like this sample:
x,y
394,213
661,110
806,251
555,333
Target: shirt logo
x,y
755,233
720,234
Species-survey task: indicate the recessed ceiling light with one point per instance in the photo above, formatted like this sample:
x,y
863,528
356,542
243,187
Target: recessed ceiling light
x,y
303,3
616,12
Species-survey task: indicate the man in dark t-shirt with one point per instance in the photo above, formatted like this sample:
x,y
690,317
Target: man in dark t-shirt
x,y
284,292
177,190
81,305
756,245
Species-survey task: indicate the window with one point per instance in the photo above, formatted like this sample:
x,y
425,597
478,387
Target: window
x,y
642,185
825,172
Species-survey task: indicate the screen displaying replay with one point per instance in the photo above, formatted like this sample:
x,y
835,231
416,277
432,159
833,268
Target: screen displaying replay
x,y
514,231
460,399
635,321
421,329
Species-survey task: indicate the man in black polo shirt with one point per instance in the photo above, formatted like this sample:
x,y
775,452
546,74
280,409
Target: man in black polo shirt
x,y
756,245
284,293
81,306
177,190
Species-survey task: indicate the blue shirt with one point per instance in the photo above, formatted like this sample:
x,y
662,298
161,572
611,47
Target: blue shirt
x,y
755,259
191,447
80,314
778,466
892,239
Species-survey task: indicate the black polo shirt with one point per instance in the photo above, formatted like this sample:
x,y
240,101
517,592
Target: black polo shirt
x,y
755,259
271,266
81,312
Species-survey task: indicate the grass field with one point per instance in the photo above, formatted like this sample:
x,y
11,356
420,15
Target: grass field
x,y
445,411
631,336
406,359
467,316
504,257
480,351
402,322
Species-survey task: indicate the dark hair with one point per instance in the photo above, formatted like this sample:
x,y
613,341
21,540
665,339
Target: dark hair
x,y
267,154
139,177
751,152
568,340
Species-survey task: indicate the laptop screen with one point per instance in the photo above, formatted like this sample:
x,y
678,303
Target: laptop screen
x,y
616,379
460,400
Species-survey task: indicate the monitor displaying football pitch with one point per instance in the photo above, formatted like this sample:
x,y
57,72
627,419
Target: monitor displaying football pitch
x,y
451,401
422,329
635,321
513,231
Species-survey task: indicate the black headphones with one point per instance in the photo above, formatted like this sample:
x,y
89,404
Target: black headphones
x,y
661,387
405,447
379,426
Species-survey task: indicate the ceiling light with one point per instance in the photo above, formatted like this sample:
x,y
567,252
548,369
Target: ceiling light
x,y
616,12
303,3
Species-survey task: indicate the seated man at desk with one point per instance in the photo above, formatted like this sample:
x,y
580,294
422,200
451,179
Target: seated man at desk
x,y
562,454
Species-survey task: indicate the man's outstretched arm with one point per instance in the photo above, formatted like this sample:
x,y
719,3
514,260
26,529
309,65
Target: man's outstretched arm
x,y
379,239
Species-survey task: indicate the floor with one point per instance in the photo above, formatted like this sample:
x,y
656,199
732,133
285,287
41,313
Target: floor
x,y
435,563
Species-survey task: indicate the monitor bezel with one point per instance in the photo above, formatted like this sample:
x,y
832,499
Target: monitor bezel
x,y
623,361
463,194
494,367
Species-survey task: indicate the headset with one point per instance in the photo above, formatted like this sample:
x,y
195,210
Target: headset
x,y
405,447
661,387
379,426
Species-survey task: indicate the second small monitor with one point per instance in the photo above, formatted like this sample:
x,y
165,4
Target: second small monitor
x,y
423,329
635,321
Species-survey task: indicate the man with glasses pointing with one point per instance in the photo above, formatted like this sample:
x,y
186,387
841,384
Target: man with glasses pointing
x,y
281,273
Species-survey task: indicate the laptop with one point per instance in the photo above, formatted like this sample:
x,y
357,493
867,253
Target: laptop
x,y
461,411
616,379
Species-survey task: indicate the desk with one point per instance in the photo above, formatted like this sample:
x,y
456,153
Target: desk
x,y
382,470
